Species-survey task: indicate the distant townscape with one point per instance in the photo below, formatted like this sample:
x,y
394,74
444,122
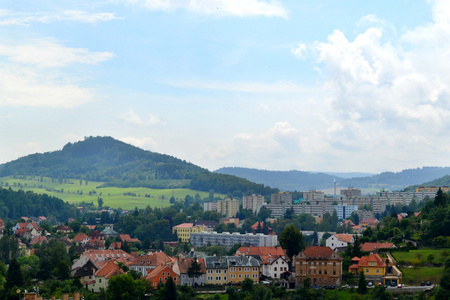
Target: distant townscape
x,y
224,238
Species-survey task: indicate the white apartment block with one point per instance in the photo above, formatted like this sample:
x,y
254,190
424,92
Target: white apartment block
x,y
228,240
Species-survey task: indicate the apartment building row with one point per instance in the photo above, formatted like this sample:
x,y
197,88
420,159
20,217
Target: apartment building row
x,y
228,240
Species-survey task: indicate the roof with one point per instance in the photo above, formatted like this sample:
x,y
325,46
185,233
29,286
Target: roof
x,y
217,262
255,226
262,252
38,240
185,263
126,238
64,228
318,251
364,261
344,237
80,237
366,247
101,255
153,259
206,223
108,270
371,221
271,259
184,225
158,270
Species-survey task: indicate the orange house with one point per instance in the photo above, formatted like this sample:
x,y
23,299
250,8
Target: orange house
x,y
160,274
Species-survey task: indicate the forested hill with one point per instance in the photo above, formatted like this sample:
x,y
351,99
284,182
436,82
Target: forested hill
x,y
443,181
301,181
284,180
123,165
17,204
404,178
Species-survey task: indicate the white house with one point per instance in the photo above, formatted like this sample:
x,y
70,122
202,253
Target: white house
x,y
274,266
339,241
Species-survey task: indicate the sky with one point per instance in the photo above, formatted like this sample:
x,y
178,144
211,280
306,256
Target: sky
x,y
323,85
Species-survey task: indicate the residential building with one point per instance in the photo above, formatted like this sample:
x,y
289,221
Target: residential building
x,y
253,202
261,252
210,206
313,195
181,267
185,230
350,193
99,256
227,221
369,222
228,240
146,263
103,275
231,269
228,207
126,238
345,211
320,264
377,269
160,274
339,241
281,198
274,266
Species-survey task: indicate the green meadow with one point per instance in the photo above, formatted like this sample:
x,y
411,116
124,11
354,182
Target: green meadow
x,y
74,191
412,255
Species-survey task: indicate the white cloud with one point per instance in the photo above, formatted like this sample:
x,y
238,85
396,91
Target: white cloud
x,y
383,95
26,18
299,52
30,74
146,143
131,117
47,53
240,8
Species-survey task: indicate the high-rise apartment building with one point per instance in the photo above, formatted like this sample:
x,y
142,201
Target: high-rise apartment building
x,y
228,207
253,202
281,198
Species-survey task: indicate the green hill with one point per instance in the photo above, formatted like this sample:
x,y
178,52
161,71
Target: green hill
x,y
118,164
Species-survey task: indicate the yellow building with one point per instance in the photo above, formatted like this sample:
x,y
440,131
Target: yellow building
x,y
433,189
376,269
231,269
228,207
184,231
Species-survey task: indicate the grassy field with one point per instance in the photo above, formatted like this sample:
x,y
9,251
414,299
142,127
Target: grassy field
x,y
74,191
414,276
413,255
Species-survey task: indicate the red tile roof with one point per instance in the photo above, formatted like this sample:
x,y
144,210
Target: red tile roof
x,y
366,247
80,237
153,259
261,251
255,226
108,270
126,238
318,251
344,237
185,263
184,225
38,240
365,260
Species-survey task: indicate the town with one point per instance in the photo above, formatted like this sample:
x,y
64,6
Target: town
x,y
316,245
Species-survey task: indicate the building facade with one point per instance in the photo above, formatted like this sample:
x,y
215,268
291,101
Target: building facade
x,y
253,202
228,240
228,207
320,264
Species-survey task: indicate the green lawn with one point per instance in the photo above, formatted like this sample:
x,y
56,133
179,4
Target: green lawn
x,y
413,255
414,276
74,192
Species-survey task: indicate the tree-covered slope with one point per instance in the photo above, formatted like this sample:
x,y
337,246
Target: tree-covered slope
x,y
17,204
284,180
123,165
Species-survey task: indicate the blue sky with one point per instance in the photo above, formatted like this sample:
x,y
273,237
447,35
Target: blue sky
x,y
278,85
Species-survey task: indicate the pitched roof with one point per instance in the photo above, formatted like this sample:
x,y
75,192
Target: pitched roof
x,y
271,259
38,240
152,259
318,251
255,226
364,261
154,272
80,237
126,238
371,221
108,270
184,264
344,237
366,247
262,252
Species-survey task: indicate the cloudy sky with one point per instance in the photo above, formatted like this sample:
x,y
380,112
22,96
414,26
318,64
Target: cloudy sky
x,y
319,85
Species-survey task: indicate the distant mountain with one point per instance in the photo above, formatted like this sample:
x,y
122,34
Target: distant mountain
x,y
123,165
284,180
302,181
348,174
400,179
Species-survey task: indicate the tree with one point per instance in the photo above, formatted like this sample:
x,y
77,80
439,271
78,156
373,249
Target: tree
x,y
362,284
125,287
247,285
430,257
169,290
195,270
291,239
100,202
14,275
440,199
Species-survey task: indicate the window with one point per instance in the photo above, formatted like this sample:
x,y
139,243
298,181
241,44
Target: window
x,y
233,269
218,278
164,273
233,276
255,276
320,263
301,271
367,270
246,276
275,275
334,272
99,280
314,271
378,271
174,279
240,269
210,278
225,278
210,271
255,269
218,271
225,271
275,268
309,271
240,276
324,263
334,264
246,269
